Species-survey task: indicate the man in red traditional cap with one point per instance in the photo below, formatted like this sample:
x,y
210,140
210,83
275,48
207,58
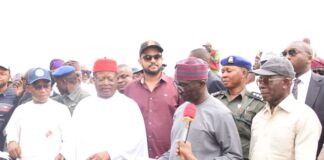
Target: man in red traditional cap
x,y
109,125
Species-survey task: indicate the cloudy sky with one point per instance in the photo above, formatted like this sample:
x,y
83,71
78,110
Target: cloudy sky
x,y
32,32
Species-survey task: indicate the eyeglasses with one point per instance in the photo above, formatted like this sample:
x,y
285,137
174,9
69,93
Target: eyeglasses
x,y
291,52
149,57
267,79
85,72
40,87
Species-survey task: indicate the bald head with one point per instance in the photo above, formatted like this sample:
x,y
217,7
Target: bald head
x,y
200,53
302,45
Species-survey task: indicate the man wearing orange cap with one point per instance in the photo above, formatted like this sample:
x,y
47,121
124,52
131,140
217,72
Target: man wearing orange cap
x,y
109,125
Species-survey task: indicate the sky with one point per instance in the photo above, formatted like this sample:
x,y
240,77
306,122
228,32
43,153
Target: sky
x,y
32,32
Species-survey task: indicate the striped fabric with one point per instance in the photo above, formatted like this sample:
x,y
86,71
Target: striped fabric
x,y
191,69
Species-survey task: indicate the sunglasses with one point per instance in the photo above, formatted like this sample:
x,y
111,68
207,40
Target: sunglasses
x,y
267,79
291,52
40,87
319,71
149,57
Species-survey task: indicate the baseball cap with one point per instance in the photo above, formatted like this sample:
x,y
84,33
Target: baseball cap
x,y
207,44
276,66
267,55
38,74
4,65
149,44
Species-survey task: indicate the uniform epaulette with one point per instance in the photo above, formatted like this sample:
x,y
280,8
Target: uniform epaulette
x,y
216,94
256,95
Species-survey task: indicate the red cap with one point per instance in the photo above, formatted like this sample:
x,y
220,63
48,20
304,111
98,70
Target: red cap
x,y
105,64
190,111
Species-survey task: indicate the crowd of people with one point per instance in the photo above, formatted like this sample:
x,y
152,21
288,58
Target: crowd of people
x,y
272,109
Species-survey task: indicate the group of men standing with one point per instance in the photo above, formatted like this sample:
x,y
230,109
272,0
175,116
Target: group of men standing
x,y
144,119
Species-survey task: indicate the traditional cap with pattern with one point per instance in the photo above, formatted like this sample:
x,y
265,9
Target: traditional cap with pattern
x,y
191,69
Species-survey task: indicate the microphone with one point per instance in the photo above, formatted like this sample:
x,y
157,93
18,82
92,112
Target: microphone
x,y
188,116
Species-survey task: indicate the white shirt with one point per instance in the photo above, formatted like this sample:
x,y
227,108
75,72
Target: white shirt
x,y
39,129
302,86
114,125
291,132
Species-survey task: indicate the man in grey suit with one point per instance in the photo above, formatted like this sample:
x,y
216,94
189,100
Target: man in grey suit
x,y
307,86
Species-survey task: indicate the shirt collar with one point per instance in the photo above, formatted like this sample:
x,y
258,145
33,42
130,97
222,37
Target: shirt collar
x,y
305,78
73,95
283,105
162,78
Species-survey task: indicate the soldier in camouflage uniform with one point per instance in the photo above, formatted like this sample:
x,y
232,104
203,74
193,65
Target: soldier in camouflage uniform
x,y
243,104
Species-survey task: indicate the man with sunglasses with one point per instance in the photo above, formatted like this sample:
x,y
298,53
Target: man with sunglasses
x,y
308,87
156,96
243,103
285,128
37,128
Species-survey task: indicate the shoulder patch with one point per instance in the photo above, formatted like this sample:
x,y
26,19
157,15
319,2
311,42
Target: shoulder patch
x,y
256,95
219,93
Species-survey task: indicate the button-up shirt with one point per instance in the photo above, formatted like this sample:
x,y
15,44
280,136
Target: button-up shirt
x,y
71,100
291,132
157,108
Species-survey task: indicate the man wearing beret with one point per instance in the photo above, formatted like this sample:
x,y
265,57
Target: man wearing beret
x,y
108,125
213,133
285,128
68,84
37,128
243,104
156,96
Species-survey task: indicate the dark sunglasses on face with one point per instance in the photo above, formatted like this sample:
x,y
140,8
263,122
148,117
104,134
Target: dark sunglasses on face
x,y
149,57
319,71
291,52
40,87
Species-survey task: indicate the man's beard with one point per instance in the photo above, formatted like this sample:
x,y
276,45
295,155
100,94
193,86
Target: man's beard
x,y
2,85
152,73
